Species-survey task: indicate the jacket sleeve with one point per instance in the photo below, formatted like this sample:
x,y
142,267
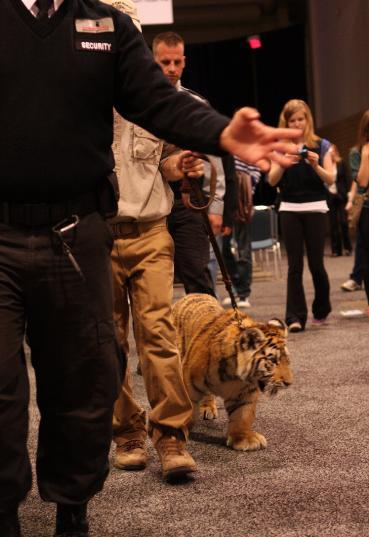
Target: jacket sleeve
x,y
143,95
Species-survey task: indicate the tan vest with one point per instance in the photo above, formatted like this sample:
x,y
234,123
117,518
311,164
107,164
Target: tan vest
x,y
144,194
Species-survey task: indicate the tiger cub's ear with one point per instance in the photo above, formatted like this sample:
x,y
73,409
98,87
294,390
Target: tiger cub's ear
x,y
250,341
279,324
251,338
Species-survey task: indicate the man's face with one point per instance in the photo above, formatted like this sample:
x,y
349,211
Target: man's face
x,y
171,60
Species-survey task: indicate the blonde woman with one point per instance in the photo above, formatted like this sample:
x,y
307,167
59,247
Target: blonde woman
x,y
303,214
359,164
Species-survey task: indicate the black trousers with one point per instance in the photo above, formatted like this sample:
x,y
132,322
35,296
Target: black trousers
x,y
364,232
71,334
339,229
300,231
240,267
192,249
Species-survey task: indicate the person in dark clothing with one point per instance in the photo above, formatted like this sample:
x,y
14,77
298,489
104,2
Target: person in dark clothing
x,y
355,280
187,228
337,199
359,166
73,61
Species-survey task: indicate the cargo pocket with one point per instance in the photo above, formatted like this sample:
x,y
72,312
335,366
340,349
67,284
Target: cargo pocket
x,y
144,146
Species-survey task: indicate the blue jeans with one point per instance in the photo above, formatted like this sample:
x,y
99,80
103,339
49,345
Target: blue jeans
x,y
239,266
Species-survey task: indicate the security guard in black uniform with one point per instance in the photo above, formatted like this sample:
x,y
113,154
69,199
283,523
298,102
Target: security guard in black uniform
x,y
63,66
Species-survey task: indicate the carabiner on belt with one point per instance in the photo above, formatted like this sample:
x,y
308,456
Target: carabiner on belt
x,y
59,229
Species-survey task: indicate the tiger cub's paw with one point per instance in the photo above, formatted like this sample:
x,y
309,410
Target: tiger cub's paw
x,y
208,410
250,442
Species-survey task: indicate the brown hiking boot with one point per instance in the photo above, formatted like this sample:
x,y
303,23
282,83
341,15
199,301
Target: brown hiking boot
x,y
175,460
131,455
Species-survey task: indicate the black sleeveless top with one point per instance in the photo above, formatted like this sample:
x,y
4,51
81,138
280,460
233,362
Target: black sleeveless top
x,y
301,184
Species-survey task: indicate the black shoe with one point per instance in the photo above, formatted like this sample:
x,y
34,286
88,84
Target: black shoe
x,y
9,524
71,521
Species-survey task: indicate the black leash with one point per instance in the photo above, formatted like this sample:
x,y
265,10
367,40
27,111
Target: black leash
x,y
192,185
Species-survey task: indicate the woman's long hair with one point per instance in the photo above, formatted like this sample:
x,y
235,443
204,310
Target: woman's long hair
x,y
292,106
363,131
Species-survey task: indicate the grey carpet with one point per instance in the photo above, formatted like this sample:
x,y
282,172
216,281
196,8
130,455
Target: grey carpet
x,y
311,481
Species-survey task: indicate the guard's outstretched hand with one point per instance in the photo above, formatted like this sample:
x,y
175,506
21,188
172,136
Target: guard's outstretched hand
x,y
254,142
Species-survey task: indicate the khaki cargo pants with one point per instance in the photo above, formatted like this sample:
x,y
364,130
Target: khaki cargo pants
x,y
142,260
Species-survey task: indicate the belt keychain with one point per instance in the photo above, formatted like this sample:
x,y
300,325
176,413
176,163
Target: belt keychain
x,y
62,227
191,185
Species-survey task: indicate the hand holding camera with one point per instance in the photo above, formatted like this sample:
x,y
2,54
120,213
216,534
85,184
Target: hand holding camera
x,y
309,156
303,152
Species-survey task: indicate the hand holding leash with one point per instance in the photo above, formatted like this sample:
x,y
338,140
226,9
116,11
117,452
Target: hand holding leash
x,y
191,164
190,184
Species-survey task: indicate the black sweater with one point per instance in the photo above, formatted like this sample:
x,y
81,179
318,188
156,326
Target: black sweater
x,y
59,81
300,183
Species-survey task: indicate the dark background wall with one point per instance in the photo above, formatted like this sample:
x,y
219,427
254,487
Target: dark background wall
x,y
204,21
339,51
230,74
339,40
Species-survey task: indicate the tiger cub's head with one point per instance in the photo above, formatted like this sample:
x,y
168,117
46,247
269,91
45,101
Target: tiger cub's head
x,y
263,357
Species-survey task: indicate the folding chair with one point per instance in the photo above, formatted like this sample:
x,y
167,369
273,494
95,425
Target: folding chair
x,y
264,239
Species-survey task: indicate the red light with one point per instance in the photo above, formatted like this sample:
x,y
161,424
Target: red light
x,y
254,41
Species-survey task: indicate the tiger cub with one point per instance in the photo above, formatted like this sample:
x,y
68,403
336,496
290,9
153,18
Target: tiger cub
x,y
237,363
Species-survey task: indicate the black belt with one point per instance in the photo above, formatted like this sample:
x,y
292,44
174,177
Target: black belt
x,y
46,214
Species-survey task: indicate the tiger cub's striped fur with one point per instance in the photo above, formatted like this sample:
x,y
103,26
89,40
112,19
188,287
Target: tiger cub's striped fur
x,y
220,358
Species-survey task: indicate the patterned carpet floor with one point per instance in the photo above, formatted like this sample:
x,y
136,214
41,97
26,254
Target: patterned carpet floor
x,y
311,481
